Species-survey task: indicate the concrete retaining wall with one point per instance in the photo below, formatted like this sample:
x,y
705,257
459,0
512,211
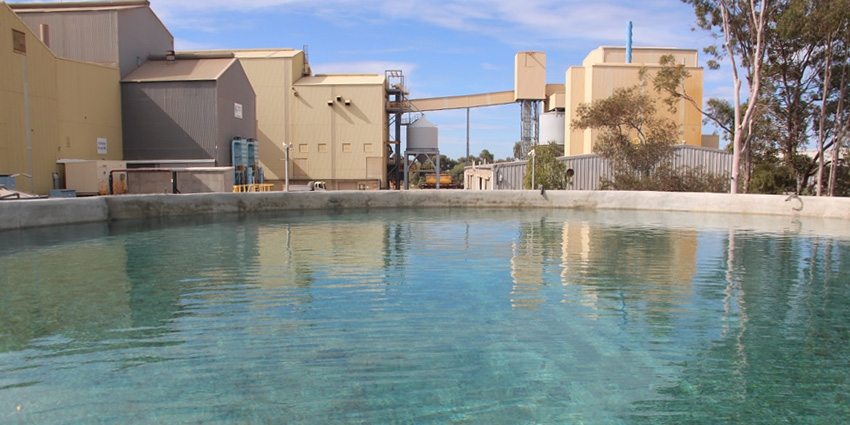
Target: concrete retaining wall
x,y
45,212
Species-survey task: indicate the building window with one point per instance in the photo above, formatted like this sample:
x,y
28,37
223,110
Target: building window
x,y
303,148
346,147
367,147
19,42
323,147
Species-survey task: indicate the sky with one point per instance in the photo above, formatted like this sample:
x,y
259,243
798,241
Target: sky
x,y
444,47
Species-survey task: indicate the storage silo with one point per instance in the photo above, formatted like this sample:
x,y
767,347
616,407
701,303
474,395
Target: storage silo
x,y
422,135
421,144
552,126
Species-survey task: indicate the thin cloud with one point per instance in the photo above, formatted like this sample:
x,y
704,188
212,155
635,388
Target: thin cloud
x,y
509,21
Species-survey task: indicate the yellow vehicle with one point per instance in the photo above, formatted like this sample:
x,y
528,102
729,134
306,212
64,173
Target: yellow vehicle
x,y
446,182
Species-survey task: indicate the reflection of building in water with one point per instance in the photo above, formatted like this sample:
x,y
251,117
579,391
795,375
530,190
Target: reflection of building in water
x,y
537,242
334,249
652,267
75,290
576,257
174,258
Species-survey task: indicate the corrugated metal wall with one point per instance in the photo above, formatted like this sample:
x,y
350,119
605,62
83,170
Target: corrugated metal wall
x,y
140,34
170,120
90,36
714,161
271,79
65,119
590,168
508,175
233,87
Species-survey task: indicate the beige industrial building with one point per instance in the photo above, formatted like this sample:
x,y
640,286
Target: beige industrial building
x,y
339,129
334,126
113,98
608,68
272,73
51,108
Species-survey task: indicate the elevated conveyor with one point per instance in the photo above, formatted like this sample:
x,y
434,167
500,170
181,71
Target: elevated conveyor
x,y
462,102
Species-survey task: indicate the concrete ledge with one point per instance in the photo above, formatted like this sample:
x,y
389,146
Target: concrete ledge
x,y
49,212
32,213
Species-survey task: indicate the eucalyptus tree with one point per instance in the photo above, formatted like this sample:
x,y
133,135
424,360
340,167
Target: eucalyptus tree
x,y
830,29
740,26
805,50
632,135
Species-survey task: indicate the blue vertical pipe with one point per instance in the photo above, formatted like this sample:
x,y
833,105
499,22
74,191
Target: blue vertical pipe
x,y
629,44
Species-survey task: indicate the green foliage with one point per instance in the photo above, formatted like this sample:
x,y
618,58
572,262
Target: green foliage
x,y
517,150
842,181
632,136
803,78
457,171
547,171
447,163
486,157
772,178
667,179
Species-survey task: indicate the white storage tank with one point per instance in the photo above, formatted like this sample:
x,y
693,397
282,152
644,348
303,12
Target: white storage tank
x,y
422,134
552,126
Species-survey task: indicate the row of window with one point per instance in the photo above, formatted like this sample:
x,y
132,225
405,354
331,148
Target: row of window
x,y
323,148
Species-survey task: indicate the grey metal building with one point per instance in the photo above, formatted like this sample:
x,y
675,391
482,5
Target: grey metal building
x,y
187,109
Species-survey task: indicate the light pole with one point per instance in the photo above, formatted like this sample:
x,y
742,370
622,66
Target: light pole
x,y
286,167
533,167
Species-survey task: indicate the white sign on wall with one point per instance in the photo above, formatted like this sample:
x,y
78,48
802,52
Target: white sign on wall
x,y
101,146
237,110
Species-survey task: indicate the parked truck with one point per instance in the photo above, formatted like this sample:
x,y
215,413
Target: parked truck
x,y
446,182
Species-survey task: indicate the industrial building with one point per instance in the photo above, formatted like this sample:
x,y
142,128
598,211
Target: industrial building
x,y
608,68
121,93
186,109
118,33
51,108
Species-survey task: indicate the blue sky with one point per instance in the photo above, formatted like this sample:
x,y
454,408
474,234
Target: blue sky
x,y
444,47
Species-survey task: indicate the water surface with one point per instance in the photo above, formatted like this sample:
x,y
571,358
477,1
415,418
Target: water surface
x,y
429,316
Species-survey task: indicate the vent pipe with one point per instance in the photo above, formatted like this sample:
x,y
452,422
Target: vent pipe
x,y
629,43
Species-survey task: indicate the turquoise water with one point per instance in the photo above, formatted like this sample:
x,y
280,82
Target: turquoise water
x,y
435,316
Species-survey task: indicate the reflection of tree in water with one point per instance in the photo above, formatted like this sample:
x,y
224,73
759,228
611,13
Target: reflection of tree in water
x,y
782,355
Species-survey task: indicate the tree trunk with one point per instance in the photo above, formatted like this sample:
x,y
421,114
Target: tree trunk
x,y
827,74
842,125
757,22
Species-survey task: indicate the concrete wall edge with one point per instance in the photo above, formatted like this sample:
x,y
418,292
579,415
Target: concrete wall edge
x,y
17,214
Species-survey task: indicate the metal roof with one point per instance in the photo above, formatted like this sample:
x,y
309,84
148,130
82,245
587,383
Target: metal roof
x,y
340,80
180,70
247,53
79,6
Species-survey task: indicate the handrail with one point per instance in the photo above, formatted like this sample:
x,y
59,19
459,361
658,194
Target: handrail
x,y
256,187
